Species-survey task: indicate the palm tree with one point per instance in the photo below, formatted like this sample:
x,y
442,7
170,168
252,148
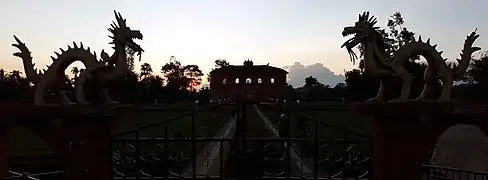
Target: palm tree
x,y
75,72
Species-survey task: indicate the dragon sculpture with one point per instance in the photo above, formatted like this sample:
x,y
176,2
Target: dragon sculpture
x,y
377,64
101,72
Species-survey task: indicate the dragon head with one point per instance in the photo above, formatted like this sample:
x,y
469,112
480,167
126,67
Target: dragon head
x,y
362,29
123,35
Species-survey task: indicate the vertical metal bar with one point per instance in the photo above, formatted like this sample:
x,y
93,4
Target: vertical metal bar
x,y
303,143
316,150
194,142
347,153
237,141
244,123
242,137
288,140
222,159
166,152
111,156
137,158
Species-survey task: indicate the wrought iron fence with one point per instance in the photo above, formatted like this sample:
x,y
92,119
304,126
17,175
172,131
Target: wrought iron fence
x,y
167,154
249,145
433,172
26,176
329,151
257,141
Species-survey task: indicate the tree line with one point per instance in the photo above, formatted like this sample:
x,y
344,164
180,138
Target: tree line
x,y
179,82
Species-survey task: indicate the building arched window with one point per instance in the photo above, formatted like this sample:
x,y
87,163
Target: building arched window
x,y
272,80
224,81
248,81
237,80
260,81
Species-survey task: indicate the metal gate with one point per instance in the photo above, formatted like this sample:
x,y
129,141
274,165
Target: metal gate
x,y
259,141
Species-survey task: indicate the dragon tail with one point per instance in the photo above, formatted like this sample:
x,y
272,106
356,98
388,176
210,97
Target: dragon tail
x,y
466,53
25,54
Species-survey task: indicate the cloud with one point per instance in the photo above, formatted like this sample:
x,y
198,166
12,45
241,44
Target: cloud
x,y
298,73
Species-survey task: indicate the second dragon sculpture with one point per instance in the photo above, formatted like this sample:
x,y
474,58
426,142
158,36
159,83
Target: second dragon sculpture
x,y
101,71
376,64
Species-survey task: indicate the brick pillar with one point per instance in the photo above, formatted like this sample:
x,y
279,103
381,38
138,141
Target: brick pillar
x,y
400,147
4,146
404,134
86,152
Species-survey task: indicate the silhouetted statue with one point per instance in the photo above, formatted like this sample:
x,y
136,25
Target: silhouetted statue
x,y
101,72
375,63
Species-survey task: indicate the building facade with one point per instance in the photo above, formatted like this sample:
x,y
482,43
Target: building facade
x,y
260,83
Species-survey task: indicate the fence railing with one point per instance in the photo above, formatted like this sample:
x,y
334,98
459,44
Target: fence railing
x,y
37,176
253,140
433,172
167,151
331,151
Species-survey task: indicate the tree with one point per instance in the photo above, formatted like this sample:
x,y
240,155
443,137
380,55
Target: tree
x,y
219,63
153,86
2,74
75,71
13,86
181,78
146,70
311,82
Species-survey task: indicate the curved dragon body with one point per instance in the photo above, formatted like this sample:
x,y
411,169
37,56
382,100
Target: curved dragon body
x,y
376,63
100,71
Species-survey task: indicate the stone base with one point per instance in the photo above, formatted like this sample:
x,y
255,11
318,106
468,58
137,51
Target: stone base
x,y
405,133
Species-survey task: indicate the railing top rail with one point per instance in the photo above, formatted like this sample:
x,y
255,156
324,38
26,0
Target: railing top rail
x,y
30,176
455,169
145,126
307,118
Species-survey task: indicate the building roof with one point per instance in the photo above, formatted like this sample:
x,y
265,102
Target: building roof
x,y
255,68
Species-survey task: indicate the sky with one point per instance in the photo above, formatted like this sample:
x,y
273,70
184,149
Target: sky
x,y
279,32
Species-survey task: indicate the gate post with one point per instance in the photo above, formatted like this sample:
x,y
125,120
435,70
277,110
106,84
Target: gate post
x,y
4,148
86,154
80,139
405,133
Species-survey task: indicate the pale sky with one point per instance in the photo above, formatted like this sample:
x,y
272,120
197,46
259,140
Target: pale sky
x,y
279,32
